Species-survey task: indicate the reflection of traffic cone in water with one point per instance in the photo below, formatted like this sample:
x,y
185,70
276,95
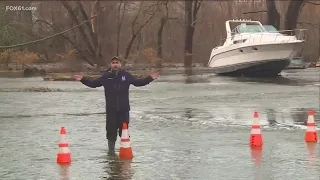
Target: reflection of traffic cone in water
x,y
256,137
64,171
256,154
311,133
125,148
64,152
312,153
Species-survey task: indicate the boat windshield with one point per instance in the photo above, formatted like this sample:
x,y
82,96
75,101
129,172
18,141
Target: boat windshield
x,y
250,29
270,28
297,61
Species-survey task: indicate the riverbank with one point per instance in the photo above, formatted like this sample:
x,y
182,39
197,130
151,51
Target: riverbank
x,y
69,76
66,76
138,71
57,72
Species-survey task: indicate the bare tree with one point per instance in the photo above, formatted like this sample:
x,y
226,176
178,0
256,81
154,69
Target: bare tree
x,y
292,14
91,40
164,18
120,17
56,25
135,30
294,9
273,14
16,26
191,9
56,22
79,50
95,22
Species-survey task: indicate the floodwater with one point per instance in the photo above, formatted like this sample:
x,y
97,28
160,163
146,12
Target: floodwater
x,y
181,127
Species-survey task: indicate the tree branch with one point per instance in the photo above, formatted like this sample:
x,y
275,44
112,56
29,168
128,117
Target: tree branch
x,y
313,3
68,39
39,40
172,18
194,12
54,28
253,12
146,22
85,37
167,9
198,5
311,24
89,25
119,22
135,19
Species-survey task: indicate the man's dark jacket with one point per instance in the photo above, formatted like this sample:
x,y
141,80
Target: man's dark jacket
x,y
116,87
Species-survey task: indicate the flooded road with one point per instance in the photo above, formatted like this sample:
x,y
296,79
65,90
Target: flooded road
x,y
195,127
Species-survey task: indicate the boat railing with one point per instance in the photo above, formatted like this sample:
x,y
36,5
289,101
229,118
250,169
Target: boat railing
x,y
296,34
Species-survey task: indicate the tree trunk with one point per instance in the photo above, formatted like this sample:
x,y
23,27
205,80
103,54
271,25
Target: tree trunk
x,y
96,32
188,46
129,46
189,34
191,10
119,24
292,14
135,33
273,14
160,32
81,29
230,8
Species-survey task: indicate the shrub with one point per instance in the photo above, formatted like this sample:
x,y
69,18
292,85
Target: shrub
x,y
5,58
151,56
69,60
20,58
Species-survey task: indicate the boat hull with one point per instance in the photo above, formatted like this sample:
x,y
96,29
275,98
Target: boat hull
x,y
269,68
253,60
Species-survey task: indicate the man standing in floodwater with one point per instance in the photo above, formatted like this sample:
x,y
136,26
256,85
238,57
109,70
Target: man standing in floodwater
x,y
116,82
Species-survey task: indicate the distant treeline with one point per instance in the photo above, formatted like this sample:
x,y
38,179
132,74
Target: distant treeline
x,y
142,31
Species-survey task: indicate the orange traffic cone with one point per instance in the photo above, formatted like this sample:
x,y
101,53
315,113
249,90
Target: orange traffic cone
x,y
125,148
256,137
311,133
63,156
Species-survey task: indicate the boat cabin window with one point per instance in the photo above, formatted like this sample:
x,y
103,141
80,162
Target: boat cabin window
x,y
270,28
297,60
243,28
250,29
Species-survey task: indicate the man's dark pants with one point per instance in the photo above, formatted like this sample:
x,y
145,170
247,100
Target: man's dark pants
x,y
115,119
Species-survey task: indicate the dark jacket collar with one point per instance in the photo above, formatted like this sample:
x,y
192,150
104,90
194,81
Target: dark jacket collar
x,y
115,73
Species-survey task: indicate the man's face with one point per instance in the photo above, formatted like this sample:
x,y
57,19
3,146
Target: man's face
x,y
115,64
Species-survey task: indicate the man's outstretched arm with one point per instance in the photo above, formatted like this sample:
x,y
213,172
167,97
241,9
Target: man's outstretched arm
x,y
142,81
93,83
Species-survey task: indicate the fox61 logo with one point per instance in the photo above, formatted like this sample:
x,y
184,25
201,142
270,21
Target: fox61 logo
x,y
19,8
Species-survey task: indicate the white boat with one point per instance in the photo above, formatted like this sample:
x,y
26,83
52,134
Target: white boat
x,y
253,49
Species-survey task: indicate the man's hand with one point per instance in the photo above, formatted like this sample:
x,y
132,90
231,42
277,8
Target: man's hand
x,y
155,75
78,77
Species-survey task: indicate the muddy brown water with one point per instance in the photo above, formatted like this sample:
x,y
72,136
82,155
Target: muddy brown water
x,y
182,127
